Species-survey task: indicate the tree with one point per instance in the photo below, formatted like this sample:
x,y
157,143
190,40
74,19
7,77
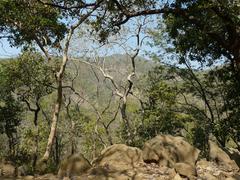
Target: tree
x,y
32,79
24,22
10,112
161,113
206,30
46,23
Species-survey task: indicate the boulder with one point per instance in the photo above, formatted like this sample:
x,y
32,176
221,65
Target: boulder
x,y
220,157
207,176
234,154
28,178
168,150
177,177
41,167
120,157
7,170
46,177
207,169
22,171
73,165
185,170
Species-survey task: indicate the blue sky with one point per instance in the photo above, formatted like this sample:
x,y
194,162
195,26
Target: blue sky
x,y
6,51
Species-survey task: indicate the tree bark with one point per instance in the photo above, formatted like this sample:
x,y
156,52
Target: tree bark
x,y
56,111
35,156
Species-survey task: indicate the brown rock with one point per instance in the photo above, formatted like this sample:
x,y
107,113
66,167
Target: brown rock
x,y
208,176
177,177
230,178
234,154
204,164
168,150
120,157
7,170
21,171
217,155
73,165
47,177
28,178
171,173
185,170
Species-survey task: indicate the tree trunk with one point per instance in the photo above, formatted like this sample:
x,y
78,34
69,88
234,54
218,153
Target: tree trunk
x,y
35,156
56,111
73,142
59,77
57,107
129,134
57,150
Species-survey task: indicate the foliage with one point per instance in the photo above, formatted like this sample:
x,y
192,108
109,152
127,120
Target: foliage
x,y
31,76
10,111
205,30
24,21
160,113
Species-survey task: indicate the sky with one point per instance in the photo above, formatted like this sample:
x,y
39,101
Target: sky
x,y
6,51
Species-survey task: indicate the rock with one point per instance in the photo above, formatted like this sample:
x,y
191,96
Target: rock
x,y
185,170
177,177
28,178
206,168
73,165
47,177
236,176
222,159
100,173
120,157
41,167
208,176
204,164
230,178
234,154
168,150
8,170
66,178
21,171
171,173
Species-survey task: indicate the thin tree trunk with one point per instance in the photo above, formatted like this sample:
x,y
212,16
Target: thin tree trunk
x,y
73,142
57,150
35,156
126,121
56,111
59,78
57,106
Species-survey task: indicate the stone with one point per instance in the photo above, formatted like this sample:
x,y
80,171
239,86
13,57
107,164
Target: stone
x,y
204,164
177,177
222,159
28,178
234,154
8,170
21,171
208,176
171,173
74,165
120,157
185,170
46,177
168,150
230,178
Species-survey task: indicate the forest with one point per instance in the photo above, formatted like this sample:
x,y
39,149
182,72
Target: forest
x,y
120,89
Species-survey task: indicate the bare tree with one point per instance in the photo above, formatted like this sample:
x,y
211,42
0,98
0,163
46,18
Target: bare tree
x,y
119,90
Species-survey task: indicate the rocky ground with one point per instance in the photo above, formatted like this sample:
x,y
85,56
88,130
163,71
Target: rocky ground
x,y
162,158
